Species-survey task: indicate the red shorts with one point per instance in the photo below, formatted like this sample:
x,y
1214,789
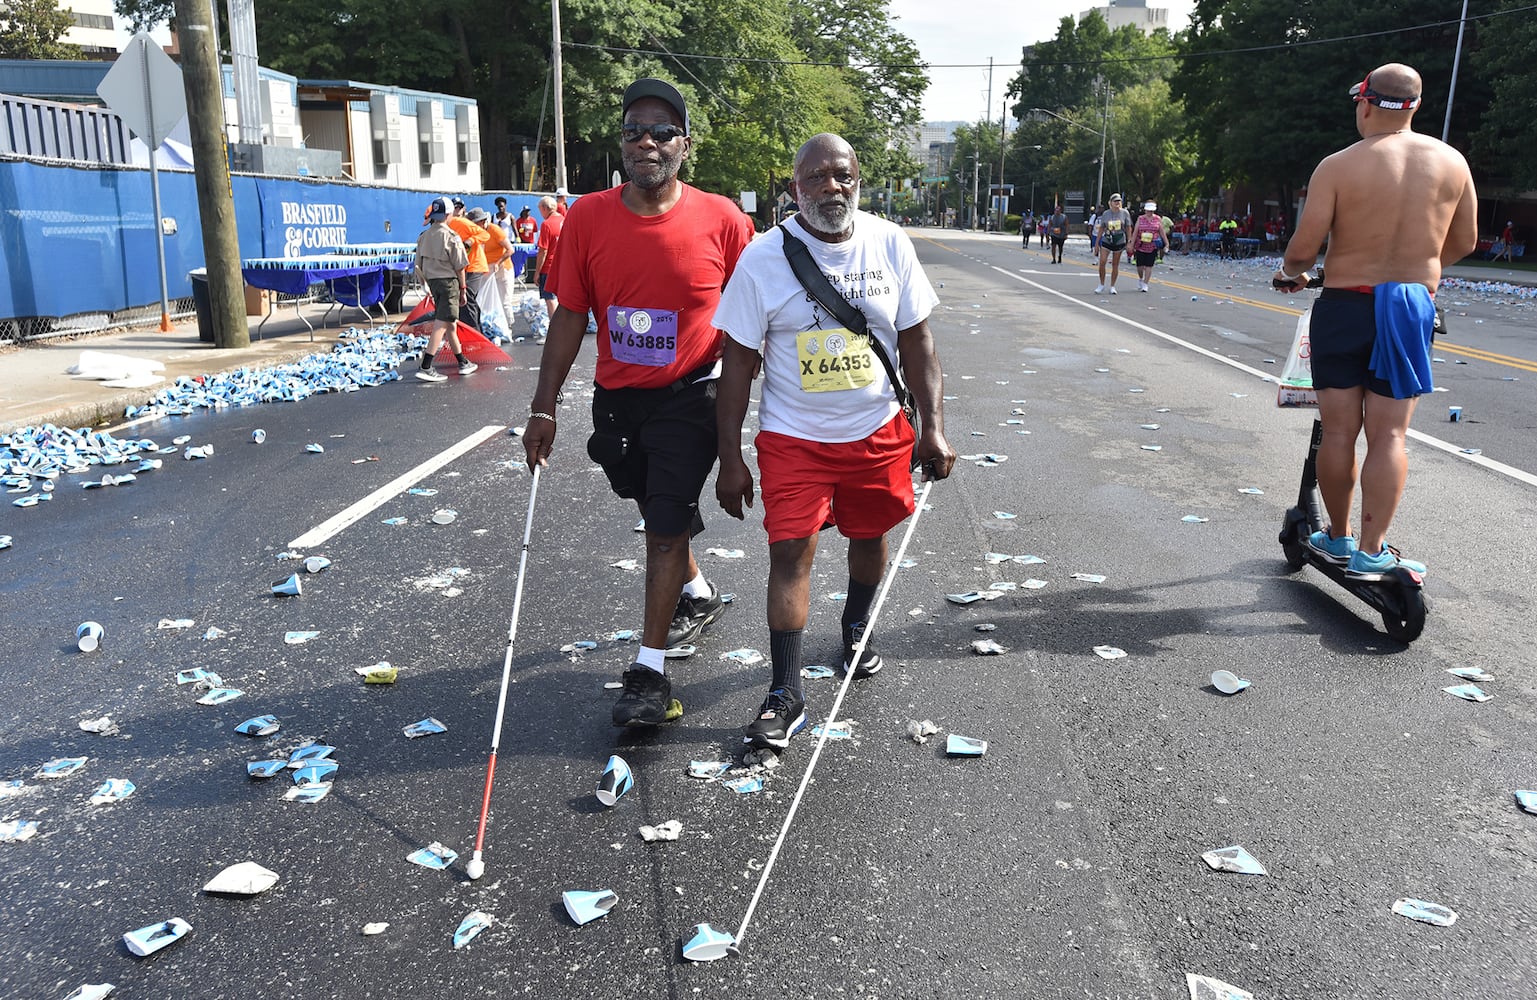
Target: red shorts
x,y
864,487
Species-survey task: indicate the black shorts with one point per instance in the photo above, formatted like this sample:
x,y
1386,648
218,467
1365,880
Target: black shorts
x,y
657,447
1147,258
1341,335
1112,243
1058,240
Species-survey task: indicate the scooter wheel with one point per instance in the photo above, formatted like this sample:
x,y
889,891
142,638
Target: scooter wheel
x,y
1295,557
1408,627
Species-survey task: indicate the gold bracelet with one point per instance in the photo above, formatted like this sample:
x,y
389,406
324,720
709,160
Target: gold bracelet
x,y
541,416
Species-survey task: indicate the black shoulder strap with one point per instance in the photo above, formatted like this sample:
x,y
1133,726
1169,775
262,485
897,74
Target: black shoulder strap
x,y
816,284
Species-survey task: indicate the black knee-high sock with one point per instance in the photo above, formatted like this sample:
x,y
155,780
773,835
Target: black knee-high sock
x,y
785,654
856,608
426,360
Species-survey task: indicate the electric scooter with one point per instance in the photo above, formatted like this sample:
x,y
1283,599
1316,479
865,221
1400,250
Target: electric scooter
x,y
1399,595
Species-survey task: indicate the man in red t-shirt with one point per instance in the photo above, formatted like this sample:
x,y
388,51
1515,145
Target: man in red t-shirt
x,y
549,236
649,259
526,227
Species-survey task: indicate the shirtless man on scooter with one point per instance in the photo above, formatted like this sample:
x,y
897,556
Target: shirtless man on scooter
x,y
1396,208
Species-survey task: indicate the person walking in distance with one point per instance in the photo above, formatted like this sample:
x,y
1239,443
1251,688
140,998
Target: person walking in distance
x,y
1056,228
834,448
1146,242
1113,227
1371,325
649,258
440,264
549,239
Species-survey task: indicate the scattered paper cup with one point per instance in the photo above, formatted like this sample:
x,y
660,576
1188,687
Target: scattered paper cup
x,y
88,636
707,944
617,779
585,907
1228,682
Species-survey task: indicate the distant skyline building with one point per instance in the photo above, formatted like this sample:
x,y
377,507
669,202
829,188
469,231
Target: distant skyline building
x,y
94,30
1119,13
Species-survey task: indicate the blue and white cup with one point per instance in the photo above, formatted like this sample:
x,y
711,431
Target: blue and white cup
x,y
88,636
617,779
288,588
585,907
1454,414
708,944
259,435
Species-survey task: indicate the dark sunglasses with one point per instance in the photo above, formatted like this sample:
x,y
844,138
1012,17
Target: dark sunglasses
x,y
665,132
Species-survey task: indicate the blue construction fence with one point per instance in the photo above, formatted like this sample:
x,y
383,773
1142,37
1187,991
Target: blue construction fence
x,y
79,239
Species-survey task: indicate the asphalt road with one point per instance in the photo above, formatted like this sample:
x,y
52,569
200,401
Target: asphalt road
x,y
1064,863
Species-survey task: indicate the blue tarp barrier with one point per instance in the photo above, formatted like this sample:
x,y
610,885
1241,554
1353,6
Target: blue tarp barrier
x,y
79,239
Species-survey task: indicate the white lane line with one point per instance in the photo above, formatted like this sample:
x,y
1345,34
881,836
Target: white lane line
x,y
1520,475
332,527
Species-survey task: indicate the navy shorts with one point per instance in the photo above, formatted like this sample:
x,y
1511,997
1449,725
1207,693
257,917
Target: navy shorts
x,y
657,447
547,296
1341,335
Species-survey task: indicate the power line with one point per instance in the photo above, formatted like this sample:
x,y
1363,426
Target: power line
x,y
1086,62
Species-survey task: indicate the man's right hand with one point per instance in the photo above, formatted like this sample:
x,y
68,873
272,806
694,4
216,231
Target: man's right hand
x,y
538,437
734,487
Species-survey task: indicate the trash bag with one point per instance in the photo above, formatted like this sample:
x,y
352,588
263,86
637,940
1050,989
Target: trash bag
x,y
1296,388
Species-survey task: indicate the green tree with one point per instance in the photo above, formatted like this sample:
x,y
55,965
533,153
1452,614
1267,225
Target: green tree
x,y
31,29
1068,70
1248,59
1505,141
739,63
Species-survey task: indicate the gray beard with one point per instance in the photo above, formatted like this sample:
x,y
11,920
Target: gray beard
x,y
664,173
831,225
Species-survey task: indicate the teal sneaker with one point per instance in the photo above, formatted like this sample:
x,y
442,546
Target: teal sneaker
x,y
1365,566
1335,550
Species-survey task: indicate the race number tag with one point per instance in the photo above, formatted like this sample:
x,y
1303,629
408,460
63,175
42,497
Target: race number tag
x,y
643,336
1145,237
835,359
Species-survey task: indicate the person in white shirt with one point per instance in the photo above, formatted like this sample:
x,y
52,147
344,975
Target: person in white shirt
x,y
834,447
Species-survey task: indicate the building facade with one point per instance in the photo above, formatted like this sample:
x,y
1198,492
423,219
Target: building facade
x,y
1120,13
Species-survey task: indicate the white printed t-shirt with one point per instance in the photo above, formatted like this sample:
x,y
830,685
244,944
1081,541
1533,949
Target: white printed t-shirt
x,y
819,382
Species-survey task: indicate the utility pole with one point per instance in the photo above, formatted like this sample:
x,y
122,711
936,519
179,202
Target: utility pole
x,y
1451,94
210,164
987,115
976,172
1003,136
560,100
1104,130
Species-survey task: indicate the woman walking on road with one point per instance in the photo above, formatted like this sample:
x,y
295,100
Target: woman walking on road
x,y
1146,241
1113,228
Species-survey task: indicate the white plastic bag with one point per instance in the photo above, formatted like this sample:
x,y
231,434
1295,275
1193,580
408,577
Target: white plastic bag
x,y
1296,387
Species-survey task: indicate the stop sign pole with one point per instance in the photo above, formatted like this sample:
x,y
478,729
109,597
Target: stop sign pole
x,y
144,87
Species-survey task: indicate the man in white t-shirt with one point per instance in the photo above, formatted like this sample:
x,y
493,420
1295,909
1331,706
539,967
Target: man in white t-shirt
x,y
834,448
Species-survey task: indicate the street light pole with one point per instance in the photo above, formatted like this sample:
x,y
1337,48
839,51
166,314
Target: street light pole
x,y
1104,132
976,170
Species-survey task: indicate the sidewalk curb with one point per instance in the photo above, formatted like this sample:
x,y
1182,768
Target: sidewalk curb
x,y
109,410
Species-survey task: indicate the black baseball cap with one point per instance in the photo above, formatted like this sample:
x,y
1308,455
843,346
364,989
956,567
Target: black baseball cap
x,y
660,89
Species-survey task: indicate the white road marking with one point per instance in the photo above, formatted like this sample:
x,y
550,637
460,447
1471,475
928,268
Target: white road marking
x,y
1520,475
332,527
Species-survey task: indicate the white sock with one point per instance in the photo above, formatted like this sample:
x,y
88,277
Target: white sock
x,y
652,658
698,586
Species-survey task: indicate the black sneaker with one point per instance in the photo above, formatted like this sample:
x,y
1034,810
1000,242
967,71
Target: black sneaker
x,y
691,617
781,717
647,699
870,662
